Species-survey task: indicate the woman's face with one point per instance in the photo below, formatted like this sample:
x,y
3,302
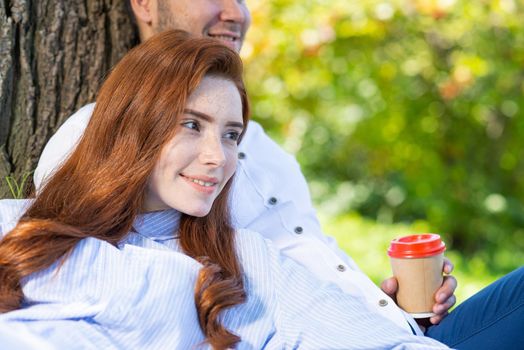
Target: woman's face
x,y
197,162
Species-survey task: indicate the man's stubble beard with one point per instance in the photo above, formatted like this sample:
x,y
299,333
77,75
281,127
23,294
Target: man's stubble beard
x,y
166,20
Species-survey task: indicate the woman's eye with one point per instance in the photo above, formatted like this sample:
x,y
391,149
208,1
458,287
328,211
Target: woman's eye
x,y
191,124
232,135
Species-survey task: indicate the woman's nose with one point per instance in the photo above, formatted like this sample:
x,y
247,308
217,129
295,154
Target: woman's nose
x,y
212,152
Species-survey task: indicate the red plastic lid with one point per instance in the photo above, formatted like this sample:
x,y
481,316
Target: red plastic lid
x,y
416,246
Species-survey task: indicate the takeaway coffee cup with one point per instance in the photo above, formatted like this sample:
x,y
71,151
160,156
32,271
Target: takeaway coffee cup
x,y
417,262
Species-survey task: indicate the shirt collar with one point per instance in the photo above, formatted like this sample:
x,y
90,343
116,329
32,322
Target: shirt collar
x,y
158,225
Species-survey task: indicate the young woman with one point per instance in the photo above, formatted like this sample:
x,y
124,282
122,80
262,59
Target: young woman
x,y
129,244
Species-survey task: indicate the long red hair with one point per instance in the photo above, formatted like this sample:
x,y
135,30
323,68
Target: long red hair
x,y
100,188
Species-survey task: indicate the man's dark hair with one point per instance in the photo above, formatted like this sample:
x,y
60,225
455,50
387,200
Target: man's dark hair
x,y
132,18
130,12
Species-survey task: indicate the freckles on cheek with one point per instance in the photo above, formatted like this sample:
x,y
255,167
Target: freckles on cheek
x,y
231,168
161,176
232,158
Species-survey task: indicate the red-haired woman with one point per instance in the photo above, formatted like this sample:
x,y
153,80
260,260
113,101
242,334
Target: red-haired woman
x,y
129,244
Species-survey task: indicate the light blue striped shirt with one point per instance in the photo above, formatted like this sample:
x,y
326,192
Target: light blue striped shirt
x,y
139,295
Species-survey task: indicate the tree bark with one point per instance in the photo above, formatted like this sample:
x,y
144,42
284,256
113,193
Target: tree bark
x,y
54,55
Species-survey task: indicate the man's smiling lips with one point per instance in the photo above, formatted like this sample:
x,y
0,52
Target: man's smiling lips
x,y
229,38
202,184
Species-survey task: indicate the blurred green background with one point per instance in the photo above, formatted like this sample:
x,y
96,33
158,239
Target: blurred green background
x,y
406,116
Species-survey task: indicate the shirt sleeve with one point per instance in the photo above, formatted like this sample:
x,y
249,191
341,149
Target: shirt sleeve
x,y
62,144
16,337
10,212
317,315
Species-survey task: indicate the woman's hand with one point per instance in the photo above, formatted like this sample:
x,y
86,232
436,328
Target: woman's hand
x,y
444,297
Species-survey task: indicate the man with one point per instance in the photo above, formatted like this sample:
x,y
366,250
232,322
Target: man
x,y
270,193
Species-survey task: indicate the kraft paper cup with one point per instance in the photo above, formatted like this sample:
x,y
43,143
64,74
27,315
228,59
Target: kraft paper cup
x,y
417,262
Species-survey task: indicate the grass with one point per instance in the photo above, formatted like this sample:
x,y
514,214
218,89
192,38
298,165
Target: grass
x,y
17,188
366,241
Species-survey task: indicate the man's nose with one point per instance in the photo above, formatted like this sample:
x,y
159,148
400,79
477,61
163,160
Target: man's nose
x,y
233,11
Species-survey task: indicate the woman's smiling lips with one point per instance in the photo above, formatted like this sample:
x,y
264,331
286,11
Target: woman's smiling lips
x,y
202,184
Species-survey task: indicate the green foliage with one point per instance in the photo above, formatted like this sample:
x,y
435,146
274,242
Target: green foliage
x,y
402,111
16,187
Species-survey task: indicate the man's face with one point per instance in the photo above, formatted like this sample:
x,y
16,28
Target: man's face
x,y
225,20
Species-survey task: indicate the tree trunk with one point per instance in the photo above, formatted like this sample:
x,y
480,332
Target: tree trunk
x,y
54,55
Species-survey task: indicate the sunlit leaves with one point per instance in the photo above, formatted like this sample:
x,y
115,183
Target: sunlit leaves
x,y
419,102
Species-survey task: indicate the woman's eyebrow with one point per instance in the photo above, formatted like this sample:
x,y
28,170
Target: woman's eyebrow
x,y
235,125
209,118
198,114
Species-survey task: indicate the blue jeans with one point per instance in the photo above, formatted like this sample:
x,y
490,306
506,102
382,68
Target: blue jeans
x,y
491,319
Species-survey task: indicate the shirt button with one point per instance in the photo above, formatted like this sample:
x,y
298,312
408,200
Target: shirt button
x,y
382,302
272,201
241,155
341,268
299,230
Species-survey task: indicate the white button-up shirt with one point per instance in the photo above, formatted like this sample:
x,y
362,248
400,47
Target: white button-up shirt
x,y
270,196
